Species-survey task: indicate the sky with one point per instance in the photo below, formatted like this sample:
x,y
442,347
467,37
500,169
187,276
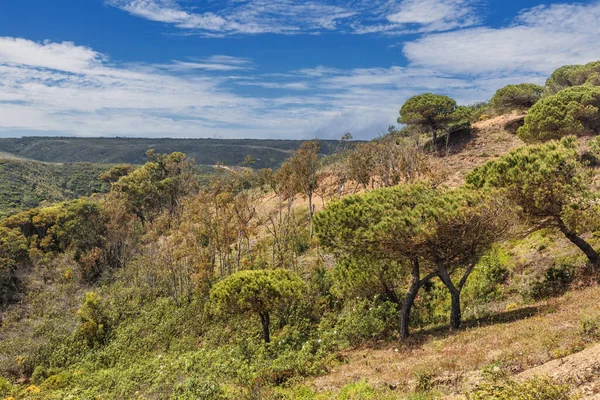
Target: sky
x,y
284,69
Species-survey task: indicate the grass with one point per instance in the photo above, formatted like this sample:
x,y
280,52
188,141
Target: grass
x,y
514,341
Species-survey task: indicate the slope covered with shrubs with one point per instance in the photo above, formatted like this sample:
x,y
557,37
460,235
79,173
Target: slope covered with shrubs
x,y
264,284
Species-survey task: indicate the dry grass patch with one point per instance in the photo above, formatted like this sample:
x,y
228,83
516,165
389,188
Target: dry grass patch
x,y
513,341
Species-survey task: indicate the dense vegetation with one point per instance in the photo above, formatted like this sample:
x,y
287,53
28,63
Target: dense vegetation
x,y
265,153
27,184
572,111
516,97
249,283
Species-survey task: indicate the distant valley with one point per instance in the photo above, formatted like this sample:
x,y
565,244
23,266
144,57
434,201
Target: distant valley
x,y
231,152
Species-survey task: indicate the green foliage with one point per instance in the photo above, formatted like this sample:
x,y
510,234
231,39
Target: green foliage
x,y
533,389
116,173
368,277
549,184
208,152
402,222
41,373
260,292
471,113
573,75
158,185
256,291
13,255
589,328
543,180
572,111
6,387
93,322
486,281
197,389
429,112
516,97
359,390
446,229
424,381
364,320
555,281
27,184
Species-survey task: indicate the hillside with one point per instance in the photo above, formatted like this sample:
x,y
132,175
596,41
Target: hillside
x,y
457,257
27,183
267,153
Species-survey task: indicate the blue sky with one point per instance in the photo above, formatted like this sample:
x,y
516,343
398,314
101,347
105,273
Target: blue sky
x,y
268,68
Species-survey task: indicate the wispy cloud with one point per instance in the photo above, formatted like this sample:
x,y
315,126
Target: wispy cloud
x,y
71,89
539,40
213,63
234,17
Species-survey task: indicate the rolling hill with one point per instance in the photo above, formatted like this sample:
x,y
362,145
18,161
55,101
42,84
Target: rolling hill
x,y
267,153
28,183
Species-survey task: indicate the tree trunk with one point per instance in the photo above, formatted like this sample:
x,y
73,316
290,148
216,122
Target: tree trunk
x,y
455,313
411,295
584,246
265,320
409,300
310,212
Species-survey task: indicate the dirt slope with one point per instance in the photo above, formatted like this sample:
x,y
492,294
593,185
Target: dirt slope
x,y
542,339
489,139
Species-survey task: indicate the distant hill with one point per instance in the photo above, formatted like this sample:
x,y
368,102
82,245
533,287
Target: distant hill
x,y
27,183
232,152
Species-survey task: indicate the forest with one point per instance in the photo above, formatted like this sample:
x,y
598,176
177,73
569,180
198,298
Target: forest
x,y
455,256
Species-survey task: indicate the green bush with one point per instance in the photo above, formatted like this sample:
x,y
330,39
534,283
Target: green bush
x,y
556,281
516,97
357,391
534,389
491,271
363,320
197,389
572,111
6,387
573,75
589,328
57,381
94,325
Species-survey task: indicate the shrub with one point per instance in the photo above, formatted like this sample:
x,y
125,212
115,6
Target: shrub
x,y
555,282
356,391
13,254
516,97
364,320
57,381
534,389
573,75
5,387
197,389
93,320
492,270
572,111
589,328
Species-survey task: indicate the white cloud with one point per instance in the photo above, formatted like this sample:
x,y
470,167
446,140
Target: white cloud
x,y
435,15
51,90
213,63
540,40
316,16
248,17
64,56
71,89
